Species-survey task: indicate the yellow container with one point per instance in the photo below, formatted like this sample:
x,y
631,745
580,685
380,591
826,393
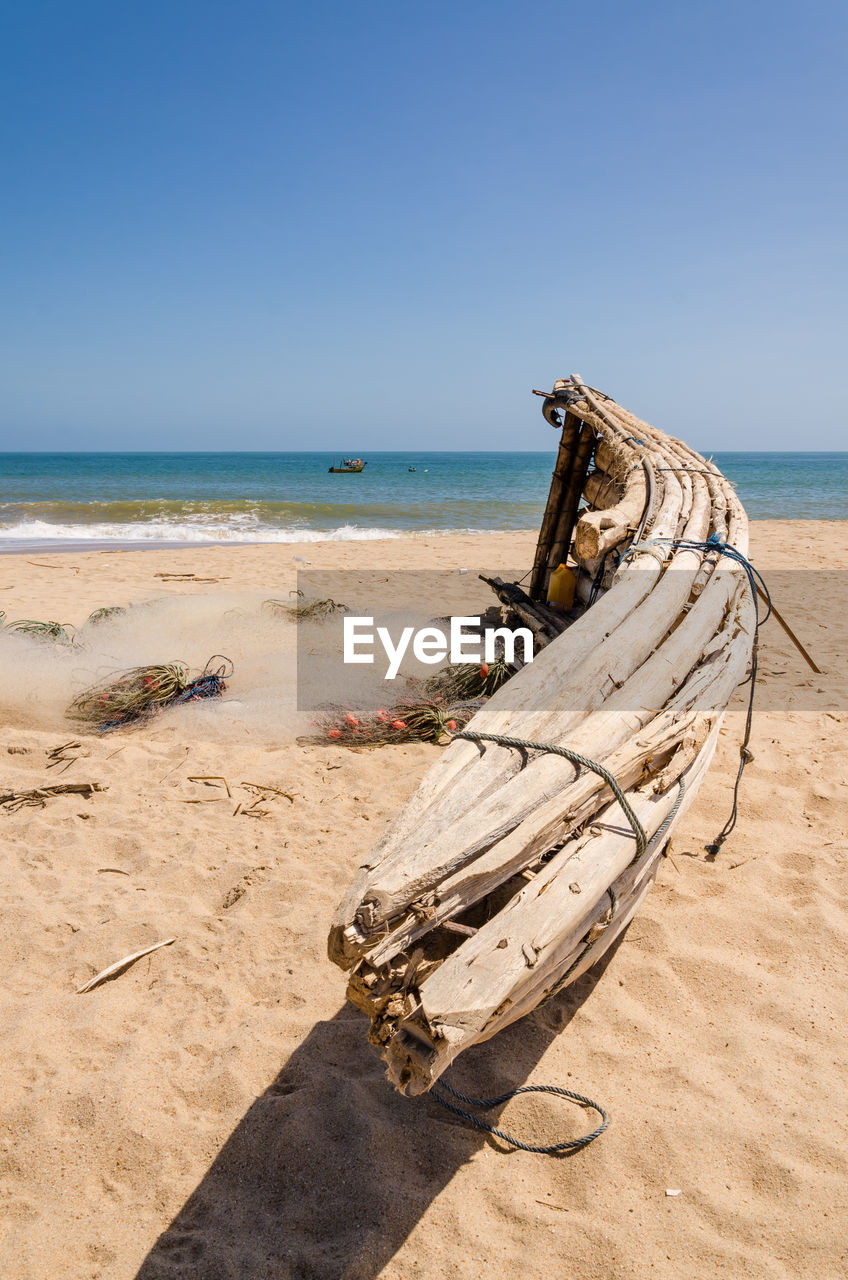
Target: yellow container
x,y
561,587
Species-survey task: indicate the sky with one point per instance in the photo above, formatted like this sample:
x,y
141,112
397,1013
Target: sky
x,y
337,226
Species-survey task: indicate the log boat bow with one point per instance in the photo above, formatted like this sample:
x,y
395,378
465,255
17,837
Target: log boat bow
x,y
509,873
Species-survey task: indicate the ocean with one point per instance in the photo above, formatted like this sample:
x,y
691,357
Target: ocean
x,y
52,500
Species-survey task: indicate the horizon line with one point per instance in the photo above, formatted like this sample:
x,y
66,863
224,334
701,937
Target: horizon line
x,y
332,453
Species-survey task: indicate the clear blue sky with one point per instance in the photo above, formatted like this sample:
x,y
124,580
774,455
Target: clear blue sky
x,y
278,225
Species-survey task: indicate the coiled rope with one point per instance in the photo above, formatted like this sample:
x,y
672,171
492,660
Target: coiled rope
x,y
485,1104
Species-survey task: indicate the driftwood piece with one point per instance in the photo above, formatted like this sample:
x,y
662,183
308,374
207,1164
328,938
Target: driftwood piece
x,y
599,531
488,847
119,966
38,796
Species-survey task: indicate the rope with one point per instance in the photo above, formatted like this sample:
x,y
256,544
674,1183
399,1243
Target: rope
x,y
575,758
210,684
755,580
671,815
224,670
204,687
562,981
598,578
485,1104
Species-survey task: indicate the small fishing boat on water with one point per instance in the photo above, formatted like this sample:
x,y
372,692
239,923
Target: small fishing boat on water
x,y
533,839
348,466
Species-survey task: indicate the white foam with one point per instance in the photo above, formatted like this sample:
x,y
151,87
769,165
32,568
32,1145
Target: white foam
x,y
35,532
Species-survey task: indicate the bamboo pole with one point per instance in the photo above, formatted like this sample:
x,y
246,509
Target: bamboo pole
x,y
561,541
559,483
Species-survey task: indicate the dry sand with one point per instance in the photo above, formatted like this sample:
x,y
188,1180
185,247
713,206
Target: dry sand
x,y
216,1112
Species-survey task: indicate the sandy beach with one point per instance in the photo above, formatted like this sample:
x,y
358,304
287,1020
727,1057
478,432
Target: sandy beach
x,y
216,1112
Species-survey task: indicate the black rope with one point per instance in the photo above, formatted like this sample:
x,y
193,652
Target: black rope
x,y
755,580
598,579
485,1104
576,758
224,669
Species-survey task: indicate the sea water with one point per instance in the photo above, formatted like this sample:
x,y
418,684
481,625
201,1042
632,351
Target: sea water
x,y
55,499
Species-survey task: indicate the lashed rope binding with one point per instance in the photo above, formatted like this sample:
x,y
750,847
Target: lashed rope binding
x,y
523,744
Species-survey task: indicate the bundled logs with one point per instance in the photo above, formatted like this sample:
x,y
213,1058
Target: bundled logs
x,y
513,868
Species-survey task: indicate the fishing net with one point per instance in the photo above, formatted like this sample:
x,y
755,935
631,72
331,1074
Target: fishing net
x,y
57,632
410,720
141,692
440,706
470,679
302,609
104,614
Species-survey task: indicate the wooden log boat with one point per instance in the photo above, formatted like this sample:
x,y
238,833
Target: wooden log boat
x,y
513,868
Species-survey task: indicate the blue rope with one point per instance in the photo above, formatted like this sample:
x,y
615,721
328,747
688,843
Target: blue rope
x,y
211,686
717,544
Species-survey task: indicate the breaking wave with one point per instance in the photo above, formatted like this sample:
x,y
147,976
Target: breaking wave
x,y
40,532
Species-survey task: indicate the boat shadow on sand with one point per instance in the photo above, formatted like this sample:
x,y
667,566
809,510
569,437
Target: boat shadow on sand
x,y
330,1170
